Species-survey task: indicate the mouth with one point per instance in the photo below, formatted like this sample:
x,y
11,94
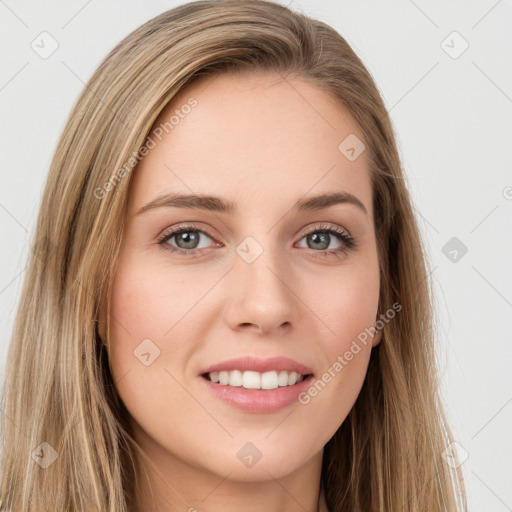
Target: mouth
x,y
262,381
254,392
257,385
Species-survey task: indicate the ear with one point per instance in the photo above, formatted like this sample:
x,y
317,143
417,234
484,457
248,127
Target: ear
x,y
377,338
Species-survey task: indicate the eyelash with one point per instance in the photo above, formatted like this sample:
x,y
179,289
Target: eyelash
x,y
348,242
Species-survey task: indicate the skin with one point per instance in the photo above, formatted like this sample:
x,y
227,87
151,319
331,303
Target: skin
x,y
264,142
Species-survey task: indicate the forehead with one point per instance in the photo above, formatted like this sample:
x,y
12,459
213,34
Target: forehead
x,y
252,137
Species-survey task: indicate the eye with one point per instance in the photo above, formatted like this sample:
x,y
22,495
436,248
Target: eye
x,y
188,240
320,237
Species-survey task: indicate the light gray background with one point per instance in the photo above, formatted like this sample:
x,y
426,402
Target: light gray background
x,y
452,117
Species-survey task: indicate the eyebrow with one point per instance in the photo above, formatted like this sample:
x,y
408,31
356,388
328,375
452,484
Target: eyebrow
x,y
217,204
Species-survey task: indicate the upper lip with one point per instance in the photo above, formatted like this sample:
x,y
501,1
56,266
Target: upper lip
x,y
260,365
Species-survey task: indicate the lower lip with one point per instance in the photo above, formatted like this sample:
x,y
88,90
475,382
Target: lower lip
x,y
258,400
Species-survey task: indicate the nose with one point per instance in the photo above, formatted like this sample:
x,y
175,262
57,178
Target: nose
x,y
261,294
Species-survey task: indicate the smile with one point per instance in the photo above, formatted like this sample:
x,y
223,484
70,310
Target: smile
x,y
255,380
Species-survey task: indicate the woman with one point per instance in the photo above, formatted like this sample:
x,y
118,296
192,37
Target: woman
x,y
227,306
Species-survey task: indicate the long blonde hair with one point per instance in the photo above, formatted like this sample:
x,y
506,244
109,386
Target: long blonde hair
x,y
59,398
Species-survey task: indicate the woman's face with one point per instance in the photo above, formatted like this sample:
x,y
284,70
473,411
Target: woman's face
x,y
262,279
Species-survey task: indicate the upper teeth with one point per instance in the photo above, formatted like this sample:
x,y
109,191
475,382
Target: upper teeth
x,y
256,380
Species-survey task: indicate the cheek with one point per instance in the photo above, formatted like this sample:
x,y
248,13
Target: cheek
x,y
151,298
140,316
147,303
347,308
146,369
346,303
